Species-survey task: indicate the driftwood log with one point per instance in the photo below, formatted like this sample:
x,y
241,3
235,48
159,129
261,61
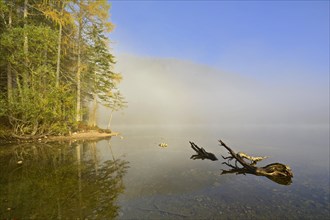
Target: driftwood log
x,y
277,172
201,153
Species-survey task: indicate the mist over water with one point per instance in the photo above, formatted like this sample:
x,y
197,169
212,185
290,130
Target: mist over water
x,y
174,102
170,91
290,115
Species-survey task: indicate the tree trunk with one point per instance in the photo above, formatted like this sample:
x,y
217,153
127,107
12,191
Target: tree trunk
x,y
92,114
108,127
9,72
59,43
9,83
25,48
25,13
58,56
78,74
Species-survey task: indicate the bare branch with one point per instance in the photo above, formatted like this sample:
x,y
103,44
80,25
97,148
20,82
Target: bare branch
x,y
201,153
276,172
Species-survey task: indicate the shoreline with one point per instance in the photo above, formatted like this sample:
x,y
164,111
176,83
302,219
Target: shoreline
x,y
82,135
87,135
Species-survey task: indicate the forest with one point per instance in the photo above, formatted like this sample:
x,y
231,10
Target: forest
x,y
56,66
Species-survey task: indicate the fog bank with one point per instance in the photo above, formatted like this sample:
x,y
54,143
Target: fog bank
x,y
170,91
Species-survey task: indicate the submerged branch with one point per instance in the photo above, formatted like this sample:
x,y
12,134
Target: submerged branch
x,y
201,153
277,172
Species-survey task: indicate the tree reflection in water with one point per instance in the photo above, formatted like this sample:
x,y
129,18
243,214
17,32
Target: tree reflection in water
x,y
42,181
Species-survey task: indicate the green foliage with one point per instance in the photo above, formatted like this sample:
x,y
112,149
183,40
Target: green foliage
x,y
41,113
42,39
39,64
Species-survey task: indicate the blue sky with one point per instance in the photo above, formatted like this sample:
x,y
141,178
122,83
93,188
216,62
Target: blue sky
x,y
260,39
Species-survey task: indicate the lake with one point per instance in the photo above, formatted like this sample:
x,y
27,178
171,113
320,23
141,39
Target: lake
x,y
132,177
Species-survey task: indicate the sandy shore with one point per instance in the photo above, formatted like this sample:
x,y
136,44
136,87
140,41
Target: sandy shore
x,y
88,135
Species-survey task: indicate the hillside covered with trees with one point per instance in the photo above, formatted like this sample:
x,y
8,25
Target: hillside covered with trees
x,y
55,66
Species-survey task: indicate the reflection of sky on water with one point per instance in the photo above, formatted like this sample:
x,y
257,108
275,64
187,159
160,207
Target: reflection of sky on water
x,y
163,183
168,178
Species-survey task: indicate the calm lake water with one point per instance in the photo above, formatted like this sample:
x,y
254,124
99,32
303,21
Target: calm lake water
x,y
133,178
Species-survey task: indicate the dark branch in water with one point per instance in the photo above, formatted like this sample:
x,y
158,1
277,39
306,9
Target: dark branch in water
x,y
276,172
201,153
